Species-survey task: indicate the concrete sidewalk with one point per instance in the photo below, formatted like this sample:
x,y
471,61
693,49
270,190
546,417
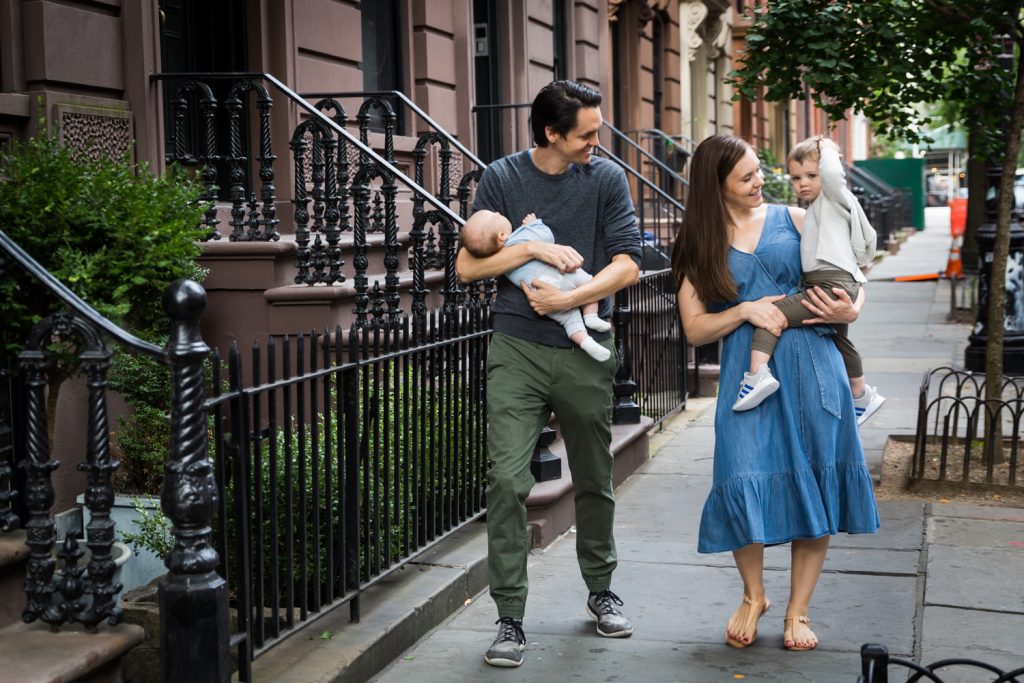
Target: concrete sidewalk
x,y
937,581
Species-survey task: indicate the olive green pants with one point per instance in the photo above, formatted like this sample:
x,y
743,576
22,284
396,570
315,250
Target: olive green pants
x,y
525,383
796,313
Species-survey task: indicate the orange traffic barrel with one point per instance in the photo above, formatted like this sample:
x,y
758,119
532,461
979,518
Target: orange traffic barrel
x,y
957,216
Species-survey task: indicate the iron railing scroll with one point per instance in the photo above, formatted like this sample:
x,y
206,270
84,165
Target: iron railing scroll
x,y
876,662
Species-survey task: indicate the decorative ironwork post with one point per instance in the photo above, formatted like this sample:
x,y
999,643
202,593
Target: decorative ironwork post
x,y
1013,307
194,628
545,465
39,530
625,409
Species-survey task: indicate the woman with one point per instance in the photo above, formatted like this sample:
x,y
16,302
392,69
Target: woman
x,y
793,469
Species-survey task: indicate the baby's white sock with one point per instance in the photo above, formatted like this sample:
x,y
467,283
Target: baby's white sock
x,y
595,323
595,350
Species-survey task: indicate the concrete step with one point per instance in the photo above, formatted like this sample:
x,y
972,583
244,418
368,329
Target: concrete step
x,y
34,653
13,553
399,610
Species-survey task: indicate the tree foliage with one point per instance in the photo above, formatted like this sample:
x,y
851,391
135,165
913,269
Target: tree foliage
x,y
881,57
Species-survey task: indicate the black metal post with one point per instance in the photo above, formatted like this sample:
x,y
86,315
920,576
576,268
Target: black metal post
x,y
625,409
194,630
874,664
1013,310
1013,316
545,465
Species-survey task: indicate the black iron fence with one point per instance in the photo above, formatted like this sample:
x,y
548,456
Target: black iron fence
x,y
886,207
876,663
658,345
345,456
964,440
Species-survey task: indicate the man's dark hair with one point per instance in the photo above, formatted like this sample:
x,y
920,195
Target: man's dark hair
x,y
556,105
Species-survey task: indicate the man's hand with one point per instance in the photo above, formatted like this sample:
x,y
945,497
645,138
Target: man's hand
x,y
545,298
565,259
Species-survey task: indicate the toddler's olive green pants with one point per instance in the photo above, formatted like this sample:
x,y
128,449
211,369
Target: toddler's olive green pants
x,y
525,383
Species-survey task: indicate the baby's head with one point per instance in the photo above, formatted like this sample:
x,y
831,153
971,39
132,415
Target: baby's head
x,y
485,233
803,163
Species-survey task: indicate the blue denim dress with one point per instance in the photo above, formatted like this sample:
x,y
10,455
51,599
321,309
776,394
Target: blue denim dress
x,y
793,467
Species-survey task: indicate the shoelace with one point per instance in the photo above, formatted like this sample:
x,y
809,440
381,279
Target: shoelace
x,y
606,601
511,630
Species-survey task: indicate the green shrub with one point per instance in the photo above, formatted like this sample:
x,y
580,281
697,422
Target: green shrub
x,y
154,531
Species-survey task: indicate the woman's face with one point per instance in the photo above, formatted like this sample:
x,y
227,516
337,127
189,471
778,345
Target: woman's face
x,y
742,188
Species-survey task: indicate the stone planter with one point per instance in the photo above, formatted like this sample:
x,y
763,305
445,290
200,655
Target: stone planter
x,y
145,565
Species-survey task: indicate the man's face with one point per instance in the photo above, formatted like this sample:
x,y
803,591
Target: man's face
x,y
577,146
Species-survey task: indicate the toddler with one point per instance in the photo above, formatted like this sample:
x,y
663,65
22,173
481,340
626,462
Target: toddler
x,y
836,238
487,231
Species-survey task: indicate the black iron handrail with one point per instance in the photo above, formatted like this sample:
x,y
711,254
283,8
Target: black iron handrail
x,y
640,177
325,120
75,303
662,166
398,94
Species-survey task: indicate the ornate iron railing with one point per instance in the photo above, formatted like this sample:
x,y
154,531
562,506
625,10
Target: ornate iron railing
x,y
875,664
85,594
344,190
192,596
962,438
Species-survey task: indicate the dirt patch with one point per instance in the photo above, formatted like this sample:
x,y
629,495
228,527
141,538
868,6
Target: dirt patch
x,y
897,460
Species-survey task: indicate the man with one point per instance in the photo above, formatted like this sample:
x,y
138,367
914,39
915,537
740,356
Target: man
x,y
534,369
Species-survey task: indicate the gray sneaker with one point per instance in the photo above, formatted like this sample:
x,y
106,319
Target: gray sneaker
x,y
507,648
603,608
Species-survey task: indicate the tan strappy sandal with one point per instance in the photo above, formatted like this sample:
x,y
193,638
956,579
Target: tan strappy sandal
x,y
739,643
794,647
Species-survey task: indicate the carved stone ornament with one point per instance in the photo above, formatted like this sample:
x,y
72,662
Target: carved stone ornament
x,y
693,14
93,132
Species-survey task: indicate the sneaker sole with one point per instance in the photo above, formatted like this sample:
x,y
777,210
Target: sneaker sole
x,y
870,410
755,398
504,663
617,634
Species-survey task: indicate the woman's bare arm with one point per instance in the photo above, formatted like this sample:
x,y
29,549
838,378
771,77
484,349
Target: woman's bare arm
x,y
703,327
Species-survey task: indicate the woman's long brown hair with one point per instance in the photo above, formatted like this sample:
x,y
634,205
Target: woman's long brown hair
x,y
702,245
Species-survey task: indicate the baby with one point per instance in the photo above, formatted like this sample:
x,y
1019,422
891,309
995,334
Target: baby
x,y
486,232
836,239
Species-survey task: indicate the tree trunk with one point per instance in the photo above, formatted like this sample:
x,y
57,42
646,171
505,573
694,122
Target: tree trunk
x,y
1000,253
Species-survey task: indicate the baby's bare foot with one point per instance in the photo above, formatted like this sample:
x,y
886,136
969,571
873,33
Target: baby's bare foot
x,y
530,217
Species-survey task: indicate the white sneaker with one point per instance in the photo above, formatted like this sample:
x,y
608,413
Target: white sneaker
x,y
867,404
755,388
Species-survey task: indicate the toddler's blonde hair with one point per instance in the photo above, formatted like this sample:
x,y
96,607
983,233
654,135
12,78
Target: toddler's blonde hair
x,y
808,150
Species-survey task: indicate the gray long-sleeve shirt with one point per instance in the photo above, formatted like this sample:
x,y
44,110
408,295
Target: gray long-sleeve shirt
x,y
588,208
